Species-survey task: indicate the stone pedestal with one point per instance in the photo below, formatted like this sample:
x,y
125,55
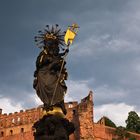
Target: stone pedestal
x,y
52,127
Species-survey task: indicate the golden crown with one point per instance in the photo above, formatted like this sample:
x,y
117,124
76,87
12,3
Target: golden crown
x,y
50,33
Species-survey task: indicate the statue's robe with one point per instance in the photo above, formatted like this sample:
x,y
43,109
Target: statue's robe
x,y
46,78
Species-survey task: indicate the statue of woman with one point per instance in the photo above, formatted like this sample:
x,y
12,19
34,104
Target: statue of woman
x,y
50,73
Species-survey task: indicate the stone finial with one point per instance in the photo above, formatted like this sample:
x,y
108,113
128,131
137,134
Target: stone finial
x,y
90,95
88,98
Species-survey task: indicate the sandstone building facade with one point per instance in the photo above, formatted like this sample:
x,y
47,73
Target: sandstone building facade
x,y
18,125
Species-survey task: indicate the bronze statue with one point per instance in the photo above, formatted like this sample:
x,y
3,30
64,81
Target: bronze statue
x,y
48,66
49,82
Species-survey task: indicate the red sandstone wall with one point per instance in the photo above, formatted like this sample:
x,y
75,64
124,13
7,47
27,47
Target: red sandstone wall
x,y
18,126
102,132
21,136
99,132
18,123
85,111
21,129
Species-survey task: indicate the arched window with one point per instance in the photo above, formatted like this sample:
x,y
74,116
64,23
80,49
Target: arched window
x,y
11,132
22,130
74,112
2,133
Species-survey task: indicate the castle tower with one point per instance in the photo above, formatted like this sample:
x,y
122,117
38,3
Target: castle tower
x,y
85,111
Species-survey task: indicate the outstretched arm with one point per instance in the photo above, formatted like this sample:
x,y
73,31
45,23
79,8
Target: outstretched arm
x,y
64,53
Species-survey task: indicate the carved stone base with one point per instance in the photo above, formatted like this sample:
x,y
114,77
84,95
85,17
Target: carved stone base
x,y
52,127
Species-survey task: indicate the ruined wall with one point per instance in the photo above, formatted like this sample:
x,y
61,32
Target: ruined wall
x,y
73,116
102,133
18,125
85,112
82,116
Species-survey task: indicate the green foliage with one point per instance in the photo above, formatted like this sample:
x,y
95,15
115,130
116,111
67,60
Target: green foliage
x,y
108,122
133,122
121,133
132,138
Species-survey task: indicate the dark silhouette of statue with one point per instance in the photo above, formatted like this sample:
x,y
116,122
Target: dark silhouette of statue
x,y
52,127
49,83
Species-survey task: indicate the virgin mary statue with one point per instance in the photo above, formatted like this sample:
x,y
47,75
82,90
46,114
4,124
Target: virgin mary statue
x,y
50,73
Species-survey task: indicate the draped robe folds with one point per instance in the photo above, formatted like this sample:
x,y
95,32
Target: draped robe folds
x,y
48,71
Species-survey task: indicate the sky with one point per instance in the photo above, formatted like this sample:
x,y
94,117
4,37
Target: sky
x,y
104,58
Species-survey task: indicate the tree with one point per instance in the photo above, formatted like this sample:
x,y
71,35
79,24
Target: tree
x,y
121,133
133,122
132,138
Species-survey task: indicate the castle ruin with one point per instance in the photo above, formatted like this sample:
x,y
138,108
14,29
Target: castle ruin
x,y
18,125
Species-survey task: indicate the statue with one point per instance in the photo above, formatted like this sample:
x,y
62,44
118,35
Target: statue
x,y
49,80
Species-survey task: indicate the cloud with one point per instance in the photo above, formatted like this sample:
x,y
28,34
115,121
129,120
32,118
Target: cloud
x,y
76,90
8,107
104,57
36,99
105,94
118,113
68,98
24,97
